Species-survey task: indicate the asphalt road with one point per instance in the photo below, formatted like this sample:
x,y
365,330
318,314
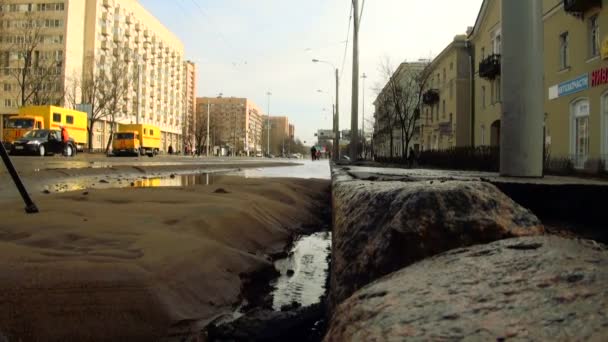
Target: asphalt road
x,y
32,163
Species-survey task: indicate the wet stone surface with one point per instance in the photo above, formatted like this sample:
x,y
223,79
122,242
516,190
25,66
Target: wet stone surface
x,y
383,226
544,288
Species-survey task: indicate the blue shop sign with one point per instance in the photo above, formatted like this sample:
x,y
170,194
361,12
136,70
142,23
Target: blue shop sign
x,y
573,86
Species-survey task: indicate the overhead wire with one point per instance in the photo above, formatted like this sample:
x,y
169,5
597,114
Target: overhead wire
x,y
347,40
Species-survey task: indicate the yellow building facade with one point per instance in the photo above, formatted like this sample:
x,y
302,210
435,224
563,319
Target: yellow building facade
x,y
576,81
446,113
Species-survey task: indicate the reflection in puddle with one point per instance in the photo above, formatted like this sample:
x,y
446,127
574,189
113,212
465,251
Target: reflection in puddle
x,y
112,183
303,272
179,180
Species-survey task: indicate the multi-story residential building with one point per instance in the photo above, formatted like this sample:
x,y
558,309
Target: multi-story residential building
x,y
485,38
189,124
576,79
446,114
385,119
235,123
279,134
90,37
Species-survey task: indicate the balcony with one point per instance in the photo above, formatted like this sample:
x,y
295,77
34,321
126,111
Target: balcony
x,y
138,27
489,67
105,30
129,19
146,33
430,97
105,45
116,52
579,7
107,3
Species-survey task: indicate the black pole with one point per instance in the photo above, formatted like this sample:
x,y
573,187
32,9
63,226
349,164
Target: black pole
x,y
30,207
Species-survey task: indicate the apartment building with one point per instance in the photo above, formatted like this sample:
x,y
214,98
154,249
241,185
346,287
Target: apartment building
x,y
485,38
89,37
235,124
576,79
189,124
280,130
446,114
385,120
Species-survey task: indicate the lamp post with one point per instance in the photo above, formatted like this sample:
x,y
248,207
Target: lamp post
x,y
268,124
364,76
336,152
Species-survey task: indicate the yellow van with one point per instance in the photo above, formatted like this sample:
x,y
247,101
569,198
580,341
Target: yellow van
x,y
136,138
47,117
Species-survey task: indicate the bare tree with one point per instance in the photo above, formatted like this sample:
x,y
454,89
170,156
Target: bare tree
x,y
38,72
116,79
402,97
200,132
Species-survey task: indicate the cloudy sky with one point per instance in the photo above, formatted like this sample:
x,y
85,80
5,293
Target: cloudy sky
x,y
245,48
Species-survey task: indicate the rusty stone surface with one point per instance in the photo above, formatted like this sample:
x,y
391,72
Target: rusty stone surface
x,y
383,226
544,288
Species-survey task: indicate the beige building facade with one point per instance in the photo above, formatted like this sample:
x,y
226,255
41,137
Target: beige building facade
x,y
89,36
235,124
486,38
576,81
446,114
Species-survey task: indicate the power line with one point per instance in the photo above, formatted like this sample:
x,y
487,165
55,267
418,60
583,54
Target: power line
x,y
347,38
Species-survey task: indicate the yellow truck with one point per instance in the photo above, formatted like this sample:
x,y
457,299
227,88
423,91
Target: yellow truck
x,y
47,117
136,139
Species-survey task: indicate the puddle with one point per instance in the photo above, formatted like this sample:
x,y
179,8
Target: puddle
x,y
303,273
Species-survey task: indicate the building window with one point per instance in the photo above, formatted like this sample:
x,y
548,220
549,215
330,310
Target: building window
x,y
56,117
483,135
7,87
496,42
69,119
483,53
563,50
594,36
498,90
451,66
451,89
444,75
443,109
483,97
580,132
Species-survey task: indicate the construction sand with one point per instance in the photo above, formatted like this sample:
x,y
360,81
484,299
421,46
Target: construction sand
x,y
135,264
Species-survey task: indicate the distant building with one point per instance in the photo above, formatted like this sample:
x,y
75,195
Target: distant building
x,y
280,135
446,114
383,125
235,123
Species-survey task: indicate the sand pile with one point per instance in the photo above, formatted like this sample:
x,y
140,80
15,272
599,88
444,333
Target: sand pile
x,y
130,264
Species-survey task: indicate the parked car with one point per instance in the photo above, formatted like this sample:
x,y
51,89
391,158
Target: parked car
x,y
43,142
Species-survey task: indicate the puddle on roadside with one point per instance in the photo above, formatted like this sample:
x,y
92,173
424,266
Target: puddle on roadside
x,y
126,182
303,273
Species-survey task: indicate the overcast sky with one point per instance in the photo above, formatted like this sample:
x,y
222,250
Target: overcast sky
x,y
245,48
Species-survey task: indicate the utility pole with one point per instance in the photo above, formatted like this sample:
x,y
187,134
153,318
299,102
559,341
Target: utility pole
x,y
336,153
268,128
208,141
364,76
521,145
354,124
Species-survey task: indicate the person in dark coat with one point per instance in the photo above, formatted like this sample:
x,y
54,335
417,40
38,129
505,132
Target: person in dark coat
x,y
313,153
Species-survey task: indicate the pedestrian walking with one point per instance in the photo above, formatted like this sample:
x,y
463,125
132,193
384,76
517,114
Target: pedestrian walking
x,y
411,157
313,153
65,138
170,149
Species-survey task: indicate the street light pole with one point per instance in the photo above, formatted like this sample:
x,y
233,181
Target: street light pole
x,y
336,152
208,141
268,128
354,125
